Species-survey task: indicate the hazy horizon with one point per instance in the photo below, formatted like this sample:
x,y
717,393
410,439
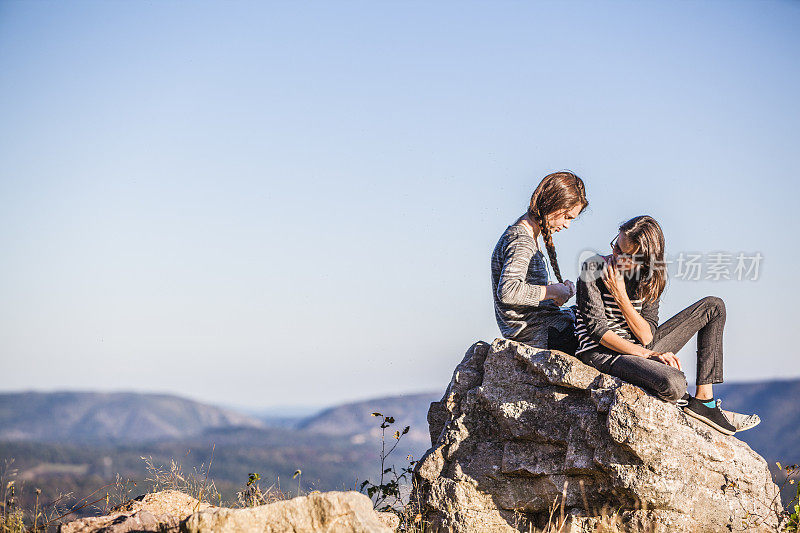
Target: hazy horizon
x,y
293,410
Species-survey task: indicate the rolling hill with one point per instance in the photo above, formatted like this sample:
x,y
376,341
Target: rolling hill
x,y
109,417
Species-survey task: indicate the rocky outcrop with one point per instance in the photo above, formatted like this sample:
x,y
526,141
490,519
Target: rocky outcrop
x,y
152,512
524,436
328,512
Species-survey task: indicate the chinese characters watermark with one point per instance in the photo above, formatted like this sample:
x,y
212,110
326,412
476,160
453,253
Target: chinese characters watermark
x,y
688,266
717,266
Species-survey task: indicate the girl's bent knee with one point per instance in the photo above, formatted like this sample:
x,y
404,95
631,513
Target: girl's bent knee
x,y
716,303
674,387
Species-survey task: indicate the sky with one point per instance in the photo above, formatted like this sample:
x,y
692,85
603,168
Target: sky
x,y
294,203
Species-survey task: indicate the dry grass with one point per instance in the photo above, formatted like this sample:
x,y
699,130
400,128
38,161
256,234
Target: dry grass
x,y
15,519
196,483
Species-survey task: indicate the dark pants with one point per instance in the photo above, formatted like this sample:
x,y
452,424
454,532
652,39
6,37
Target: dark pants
x,y
705,317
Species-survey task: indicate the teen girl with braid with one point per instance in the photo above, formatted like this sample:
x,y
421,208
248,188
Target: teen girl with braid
x,y
527,307
618,331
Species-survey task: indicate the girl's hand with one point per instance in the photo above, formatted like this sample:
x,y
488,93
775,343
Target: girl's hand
x,y
668,358
560,292
571,287
614,281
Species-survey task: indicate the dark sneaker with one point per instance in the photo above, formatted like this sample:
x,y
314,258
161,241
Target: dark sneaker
x,y
713,416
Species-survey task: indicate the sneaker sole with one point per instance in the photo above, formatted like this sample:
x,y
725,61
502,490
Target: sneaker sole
x,y
750,426
689,412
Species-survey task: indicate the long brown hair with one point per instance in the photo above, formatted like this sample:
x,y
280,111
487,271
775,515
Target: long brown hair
x,y
646,233
556,192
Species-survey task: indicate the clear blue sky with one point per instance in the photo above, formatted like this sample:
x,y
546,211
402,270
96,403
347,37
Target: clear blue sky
x,y
295,203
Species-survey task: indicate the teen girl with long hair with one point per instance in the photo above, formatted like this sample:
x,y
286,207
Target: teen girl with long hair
x,y
527,307
618,333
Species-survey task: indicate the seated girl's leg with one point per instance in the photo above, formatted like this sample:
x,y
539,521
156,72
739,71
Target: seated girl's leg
x,y
662,380
705,317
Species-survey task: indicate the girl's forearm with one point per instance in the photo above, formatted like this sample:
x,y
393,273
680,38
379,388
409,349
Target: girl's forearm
x,y
618,344
637,323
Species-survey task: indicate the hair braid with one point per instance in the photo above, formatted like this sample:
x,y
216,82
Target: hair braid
x,y
547,237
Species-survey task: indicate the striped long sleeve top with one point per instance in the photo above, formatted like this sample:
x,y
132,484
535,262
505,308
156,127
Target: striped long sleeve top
x,y
598,312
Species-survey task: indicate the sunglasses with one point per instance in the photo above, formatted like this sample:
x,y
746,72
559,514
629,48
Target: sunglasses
x,y
618,251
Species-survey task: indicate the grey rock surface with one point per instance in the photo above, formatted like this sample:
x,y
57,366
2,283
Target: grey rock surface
x,y
173,511
524,436
158,511
390,520
326,512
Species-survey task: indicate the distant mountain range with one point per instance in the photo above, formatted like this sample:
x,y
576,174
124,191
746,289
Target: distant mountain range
x,y
109,417
355,420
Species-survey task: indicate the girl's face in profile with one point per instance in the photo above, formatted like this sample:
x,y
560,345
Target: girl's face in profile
x,y
562,219
623,250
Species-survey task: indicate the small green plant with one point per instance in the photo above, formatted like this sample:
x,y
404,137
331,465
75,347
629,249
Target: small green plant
x,y
10,514
386,494
793,507
793,523
11,518
299,475
253,495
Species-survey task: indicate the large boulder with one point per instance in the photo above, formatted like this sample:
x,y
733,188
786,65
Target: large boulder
x,y
524,437
327,512
155,511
